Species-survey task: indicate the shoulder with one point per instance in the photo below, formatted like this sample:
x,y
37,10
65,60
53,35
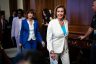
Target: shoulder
x,y
66,21
52,21
35,21
15,18
24,20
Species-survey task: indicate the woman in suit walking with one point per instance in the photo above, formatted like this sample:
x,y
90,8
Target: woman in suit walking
x,y
57,33
29,34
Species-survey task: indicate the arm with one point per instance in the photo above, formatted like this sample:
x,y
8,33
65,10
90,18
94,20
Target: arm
x,y
13,29
21,33
49,38
87,33
38,36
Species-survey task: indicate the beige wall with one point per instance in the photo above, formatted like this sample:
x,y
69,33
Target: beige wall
x,y
4,5
19,4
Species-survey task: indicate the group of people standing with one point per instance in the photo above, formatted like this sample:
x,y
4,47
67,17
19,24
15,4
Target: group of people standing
x,y
26,33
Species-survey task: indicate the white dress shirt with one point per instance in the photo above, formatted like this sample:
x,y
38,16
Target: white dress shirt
x,y
31,31
19,22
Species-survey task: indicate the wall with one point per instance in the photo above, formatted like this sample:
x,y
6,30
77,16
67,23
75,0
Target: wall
x,y
4,5
39,5
79,12
79,15
20,4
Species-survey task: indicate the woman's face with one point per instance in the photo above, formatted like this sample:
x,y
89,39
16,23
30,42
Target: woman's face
x,y
19,14
30,15
60,13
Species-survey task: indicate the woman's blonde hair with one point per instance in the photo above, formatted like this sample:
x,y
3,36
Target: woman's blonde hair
x,y
55,10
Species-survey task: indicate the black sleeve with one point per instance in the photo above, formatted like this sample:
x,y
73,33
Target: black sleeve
x,y
92,24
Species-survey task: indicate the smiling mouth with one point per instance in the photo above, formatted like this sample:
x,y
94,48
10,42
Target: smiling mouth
x,y
60,16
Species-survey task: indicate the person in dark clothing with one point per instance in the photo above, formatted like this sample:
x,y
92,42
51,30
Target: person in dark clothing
x,y
4,30
46,18
91,29
13,42
4,59
14,14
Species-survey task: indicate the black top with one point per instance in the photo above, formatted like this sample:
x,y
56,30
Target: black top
x,y
93,25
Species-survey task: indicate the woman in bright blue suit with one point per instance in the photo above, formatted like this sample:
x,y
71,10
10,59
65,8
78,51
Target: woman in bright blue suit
x,y
29,34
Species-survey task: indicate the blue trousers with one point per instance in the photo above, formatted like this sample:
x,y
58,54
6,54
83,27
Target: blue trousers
x,y
29,46
32,44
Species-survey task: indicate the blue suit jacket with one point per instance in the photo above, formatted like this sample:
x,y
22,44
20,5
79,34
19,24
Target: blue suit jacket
x,y
24,33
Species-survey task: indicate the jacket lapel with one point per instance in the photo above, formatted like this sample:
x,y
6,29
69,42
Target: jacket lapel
x,y
26,24
34,26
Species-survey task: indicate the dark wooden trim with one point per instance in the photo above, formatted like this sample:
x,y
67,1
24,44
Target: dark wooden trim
x,y
26,5
12,5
